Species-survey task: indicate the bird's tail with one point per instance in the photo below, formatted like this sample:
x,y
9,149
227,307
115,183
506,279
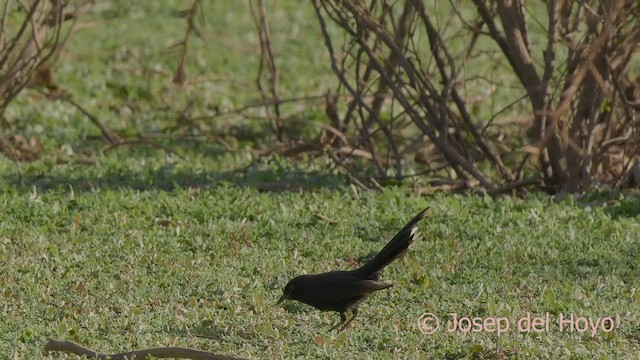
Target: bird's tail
x,y
397,246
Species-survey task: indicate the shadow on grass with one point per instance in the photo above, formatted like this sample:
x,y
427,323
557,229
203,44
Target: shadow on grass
x,y
140,167
83,179
628,206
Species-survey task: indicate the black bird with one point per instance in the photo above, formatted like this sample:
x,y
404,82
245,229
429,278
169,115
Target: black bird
x,y
344,291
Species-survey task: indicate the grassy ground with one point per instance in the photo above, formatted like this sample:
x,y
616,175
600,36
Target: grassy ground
x,y
117,268
140,248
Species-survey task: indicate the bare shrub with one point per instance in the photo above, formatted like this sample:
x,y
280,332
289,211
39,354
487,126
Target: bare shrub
x,y
31,34
417,85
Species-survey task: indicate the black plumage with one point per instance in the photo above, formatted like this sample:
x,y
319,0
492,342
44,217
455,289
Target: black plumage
x,y
344,291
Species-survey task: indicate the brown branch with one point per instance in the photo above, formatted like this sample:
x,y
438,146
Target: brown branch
x,y
20,62
325,218
189,14
267,58
414,79
3,24
37,42
394,55
437,46
107,134
573,84
71,347
261,104
515,185
141,142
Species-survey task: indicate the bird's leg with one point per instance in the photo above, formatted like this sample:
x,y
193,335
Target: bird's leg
x,y
355,313
343,318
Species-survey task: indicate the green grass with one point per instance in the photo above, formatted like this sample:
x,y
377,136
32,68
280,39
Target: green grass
x,y
120,66
116,268
144,249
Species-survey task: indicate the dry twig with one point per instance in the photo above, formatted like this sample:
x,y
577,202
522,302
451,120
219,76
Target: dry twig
x,y
162,352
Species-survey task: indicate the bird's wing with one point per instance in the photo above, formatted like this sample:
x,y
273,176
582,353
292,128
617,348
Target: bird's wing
x,y
337,290
364,287
345,286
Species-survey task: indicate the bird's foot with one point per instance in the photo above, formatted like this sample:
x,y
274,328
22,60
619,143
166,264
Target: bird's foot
x,y
344,322
343,318
337,326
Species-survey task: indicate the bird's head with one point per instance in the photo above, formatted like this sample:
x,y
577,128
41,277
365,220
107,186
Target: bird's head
x,y
291,290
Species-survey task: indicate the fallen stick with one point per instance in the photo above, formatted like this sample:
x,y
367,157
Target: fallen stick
x,y
164,352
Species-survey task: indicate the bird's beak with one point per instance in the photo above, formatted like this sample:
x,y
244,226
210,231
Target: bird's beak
x,y
283,297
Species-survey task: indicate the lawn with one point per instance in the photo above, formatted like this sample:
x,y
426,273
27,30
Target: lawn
x,y
138,247
117,268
